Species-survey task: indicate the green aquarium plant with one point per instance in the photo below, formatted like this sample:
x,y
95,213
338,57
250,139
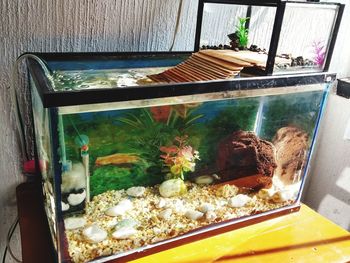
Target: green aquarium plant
x,y
242,32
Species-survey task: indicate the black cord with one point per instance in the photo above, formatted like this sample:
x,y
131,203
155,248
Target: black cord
x,y
9,236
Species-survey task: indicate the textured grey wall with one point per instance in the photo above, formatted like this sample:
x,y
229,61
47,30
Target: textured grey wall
x,y
90,25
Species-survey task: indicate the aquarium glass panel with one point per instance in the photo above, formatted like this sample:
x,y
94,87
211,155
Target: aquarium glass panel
x,y
140,172
41,120
220,20
106,73
305,35
260,27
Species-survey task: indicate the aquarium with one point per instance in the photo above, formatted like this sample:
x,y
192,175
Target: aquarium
x,y
130,166
275,37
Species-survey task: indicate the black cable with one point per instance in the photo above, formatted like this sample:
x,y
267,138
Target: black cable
x,y
9,236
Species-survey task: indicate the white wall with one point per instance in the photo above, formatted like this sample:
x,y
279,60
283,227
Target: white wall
x,y
329,185
88,25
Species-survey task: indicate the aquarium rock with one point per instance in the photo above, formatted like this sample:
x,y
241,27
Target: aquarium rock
x,y
94,234
172,187
136,191
206,207
128,222
282,196
246,159
65,207
291,147
227,190
210,216
194,214
239,200
204,179
74,222
266,193
161,203
120,209
165,214
124,232
179,206
76,199
73,179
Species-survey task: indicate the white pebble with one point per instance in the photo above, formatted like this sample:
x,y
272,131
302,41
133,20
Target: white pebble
x,y
179,207
136,191
204,179
124,232
128,222
64,206
210,216
76,199
193,214
157,230
282,196
239,200
74,222
172,187
206,207
120,209
165,214
266,193
94,234
161,203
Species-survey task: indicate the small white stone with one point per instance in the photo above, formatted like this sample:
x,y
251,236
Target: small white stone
x,y
193,214
172,187
210,216
124,232
239,200
94,234
157,230
179,207
76,199
120,209
64,206
266,193
282,196
74,222
206,207
204,179
165,214
136,191
161,203
128,222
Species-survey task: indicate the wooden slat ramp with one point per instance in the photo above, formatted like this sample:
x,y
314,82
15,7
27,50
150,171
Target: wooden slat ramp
x,y
211,65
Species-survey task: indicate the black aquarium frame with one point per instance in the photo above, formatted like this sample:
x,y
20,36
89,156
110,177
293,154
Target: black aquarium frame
x,y
280,6
51,98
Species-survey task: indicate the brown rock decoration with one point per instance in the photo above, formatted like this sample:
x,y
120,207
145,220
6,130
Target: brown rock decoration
x,y
247,160
291,146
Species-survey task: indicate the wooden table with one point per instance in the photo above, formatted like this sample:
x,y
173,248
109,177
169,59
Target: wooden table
x,y
304,236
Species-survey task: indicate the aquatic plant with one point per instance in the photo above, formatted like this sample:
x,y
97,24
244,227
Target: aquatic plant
x,y
320,53
179,157
242,32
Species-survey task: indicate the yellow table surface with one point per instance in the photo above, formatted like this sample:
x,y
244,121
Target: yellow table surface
x,y
304,236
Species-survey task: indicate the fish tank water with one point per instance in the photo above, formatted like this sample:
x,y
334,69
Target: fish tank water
x,y
129,166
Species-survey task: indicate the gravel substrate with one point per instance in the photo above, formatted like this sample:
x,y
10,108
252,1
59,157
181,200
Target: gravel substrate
x,y
158,218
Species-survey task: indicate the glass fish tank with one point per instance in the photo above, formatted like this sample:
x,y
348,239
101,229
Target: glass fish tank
x,y
270,37
131,166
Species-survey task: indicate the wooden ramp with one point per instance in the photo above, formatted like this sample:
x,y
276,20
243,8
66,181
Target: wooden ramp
x,y
211,64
